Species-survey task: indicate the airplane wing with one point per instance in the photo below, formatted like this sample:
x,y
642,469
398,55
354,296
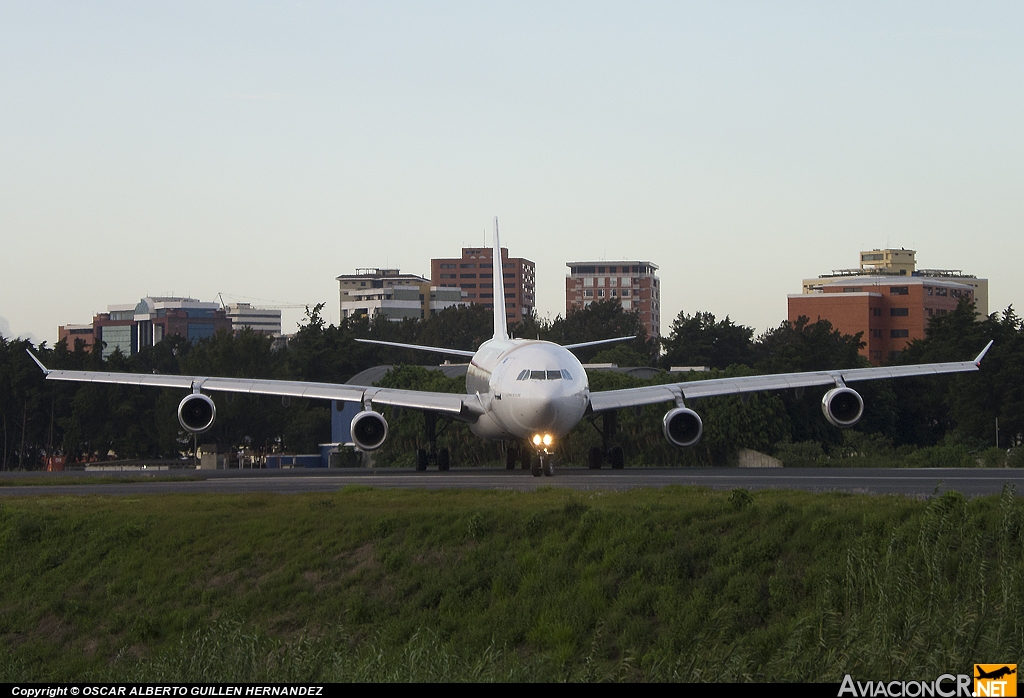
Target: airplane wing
x,y
437,350
466,407
654,394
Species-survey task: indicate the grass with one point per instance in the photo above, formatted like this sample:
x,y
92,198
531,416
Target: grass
x,y
373,585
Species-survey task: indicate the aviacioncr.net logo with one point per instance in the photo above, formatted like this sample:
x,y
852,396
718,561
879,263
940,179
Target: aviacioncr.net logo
x,y
946,686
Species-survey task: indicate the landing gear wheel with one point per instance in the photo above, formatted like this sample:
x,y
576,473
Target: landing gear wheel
x,y
442,459
618,459
595,458
511,456
421,460
547,464
536,463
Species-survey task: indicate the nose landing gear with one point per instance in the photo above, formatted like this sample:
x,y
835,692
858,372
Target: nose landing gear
x,y
542,463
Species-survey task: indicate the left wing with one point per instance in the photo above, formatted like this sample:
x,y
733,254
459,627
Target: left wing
x,y
465,407
654,394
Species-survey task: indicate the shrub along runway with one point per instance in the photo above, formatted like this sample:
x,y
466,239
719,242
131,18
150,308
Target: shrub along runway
x,y
914,482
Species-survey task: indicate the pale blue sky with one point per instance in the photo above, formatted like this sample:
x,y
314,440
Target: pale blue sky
x,y
261,149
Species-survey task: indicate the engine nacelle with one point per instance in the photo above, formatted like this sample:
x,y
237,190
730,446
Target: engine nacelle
x,y
369,430
682,427
842,407
196,413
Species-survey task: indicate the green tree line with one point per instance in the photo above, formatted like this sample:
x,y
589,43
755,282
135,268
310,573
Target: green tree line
x,y
91,421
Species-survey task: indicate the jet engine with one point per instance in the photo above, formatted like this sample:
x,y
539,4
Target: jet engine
x,y
369,429
196,413
682,427
843,407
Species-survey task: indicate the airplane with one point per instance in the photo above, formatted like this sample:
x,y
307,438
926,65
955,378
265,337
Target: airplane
x,y
529,393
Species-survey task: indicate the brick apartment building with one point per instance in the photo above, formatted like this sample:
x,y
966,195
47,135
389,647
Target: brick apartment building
x,y
473,274
888,300
889,313
633,283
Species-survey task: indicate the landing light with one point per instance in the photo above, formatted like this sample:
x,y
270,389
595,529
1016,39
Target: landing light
x,y
536,439
547,439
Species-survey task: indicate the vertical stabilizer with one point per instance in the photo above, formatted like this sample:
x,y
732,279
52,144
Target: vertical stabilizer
x,y
500,328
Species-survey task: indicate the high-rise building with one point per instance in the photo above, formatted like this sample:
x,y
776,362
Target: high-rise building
x,y
132,327
633,283
887,299
473,275
396,295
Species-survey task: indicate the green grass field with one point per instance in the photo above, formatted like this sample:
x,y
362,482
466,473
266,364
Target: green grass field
x,y
673,584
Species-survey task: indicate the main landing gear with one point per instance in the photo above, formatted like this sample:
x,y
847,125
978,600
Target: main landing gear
x,y
426,456
606,452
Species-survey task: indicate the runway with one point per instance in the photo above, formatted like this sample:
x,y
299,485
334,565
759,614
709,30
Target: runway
x,y
911,482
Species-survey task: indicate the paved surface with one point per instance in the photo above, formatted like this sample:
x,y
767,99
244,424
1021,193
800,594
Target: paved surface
x,y
914,482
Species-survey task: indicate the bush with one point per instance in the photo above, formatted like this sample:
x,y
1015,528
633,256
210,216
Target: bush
x,y
806,454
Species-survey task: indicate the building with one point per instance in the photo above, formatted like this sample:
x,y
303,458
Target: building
x,y
473,275
395,295
259,320
133,327
73,334
902,262
887,299
633,283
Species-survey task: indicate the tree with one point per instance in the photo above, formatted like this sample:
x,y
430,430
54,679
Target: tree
x,y
700,340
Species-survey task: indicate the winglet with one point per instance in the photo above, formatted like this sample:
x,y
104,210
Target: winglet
x,y
39,363
977,361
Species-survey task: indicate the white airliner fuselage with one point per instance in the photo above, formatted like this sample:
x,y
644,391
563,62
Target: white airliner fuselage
x,y
528,387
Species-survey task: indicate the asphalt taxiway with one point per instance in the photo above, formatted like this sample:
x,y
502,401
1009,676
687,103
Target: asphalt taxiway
x,y
911,482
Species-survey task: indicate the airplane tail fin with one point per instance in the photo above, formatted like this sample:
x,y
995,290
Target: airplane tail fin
x,y
500,325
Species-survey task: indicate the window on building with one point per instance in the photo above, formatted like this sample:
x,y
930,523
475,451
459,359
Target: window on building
x,y
877,334
467,276
899,312
876,312
600,293
929,290
899,290
588,294
852,289
897,334
942,292
467,266
625,292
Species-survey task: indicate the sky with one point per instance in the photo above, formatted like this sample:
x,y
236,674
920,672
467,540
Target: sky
x,y
260,149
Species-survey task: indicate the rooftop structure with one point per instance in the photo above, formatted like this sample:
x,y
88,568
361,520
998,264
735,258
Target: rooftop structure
x,y
633,283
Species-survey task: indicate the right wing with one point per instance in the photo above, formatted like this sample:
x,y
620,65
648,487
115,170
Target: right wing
x,y
465,407
654,394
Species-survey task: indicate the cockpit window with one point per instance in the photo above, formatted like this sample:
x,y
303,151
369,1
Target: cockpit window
x,y
554,375
524,374
566,375
537,375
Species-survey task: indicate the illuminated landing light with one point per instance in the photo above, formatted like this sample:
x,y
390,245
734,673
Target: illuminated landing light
x,y
547,439
536,439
